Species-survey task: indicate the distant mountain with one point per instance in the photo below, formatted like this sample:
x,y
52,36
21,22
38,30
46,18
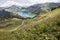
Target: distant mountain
x,y
53,4
44,7
13,8
37,8
34,8
5,14
11,5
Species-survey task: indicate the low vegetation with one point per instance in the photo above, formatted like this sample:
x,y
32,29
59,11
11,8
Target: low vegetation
x,y
34,29
9,24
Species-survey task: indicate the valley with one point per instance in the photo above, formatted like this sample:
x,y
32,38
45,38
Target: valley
x,y
36,22
41,25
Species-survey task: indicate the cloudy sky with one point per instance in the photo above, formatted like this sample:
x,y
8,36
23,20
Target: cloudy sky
x,y
24,2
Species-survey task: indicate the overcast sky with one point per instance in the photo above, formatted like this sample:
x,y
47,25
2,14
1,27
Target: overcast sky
x,y
28,1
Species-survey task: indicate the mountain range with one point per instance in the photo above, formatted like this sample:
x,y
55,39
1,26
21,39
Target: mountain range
x,y
16,6
36,8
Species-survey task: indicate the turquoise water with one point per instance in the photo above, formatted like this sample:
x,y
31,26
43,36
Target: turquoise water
x,y
26,14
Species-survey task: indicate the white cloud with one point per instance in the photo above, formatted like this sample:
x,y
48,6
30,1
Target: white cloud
x,y
25,2
10,3
52,0
43,1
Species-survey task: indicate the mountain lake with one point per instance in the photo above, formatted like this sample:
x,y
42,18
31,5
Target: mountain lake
x,y
26,14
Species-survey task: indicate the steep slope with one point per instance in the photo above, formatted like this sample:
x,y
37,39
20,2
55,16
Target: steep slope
x,y
43,27
41,18
47,28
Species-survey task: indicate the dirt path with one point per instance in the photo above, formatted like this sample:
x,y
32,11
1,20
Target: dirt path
x,y
14,28
31,24
34,23
22,26
18,26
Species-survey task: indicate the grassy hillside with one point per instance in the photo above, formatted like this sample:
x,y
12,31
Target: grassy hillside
x,y
9,24
43,27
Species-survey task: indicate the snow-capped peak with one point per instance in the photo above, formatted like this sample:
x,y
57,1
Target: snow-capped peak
x,y
10,3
